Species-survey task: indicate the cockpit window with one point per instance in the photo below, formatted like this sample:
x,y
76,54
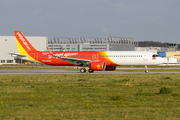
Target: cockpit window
x,y
155,55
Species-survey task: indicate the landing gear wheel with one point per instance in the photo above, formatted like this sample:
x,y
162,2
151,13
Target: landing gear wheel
x,y
82,70
90,71
146,71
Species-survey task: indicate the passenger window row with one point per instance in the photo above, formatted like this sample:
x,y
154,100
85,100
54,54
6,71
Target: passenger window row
x,y
103,56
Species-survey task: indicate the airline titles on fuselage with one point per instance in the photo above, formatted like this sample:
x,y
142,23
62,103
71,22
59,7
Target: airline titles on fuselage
x,y
60,55
23,40
46,61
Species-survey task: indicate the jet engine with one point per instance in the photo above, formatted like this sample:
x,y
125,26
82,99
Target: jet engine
x,y
110,68
97,66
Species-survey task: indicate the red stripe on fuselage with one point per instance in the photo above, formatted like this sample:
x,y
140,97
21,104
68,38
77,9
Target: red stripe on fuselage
x,y
46,58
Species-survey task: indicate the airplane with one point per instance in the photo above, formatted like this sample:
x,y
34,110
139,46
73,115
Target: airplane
x,y
94,60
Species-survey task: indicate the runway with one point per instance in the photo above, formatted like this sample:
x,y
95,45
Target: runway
x,y
61,71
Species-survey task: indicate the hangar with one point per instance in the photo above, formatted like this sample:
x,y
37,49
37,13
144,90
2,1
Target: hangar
x,y
110,43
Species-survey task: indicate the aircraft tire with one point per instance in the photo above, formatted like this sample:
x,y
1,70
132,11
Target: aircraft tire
x,y
82,70
90,71
146,71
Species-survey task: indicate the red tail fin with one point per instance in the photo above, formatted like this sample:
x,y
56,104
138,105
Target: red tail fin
x,y
23,42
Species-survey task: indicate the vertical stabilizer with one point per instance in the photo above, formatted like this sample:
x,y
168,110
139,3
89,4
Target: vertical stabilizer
x,y
23,44
25,48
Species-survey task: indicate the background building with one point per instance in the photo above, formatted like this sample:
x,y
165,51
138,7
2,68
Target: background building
x,y
8,45
110,43
152,49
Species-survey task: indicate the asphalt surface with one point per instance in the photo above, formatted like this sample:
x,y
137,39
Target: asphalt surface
x,y
61,71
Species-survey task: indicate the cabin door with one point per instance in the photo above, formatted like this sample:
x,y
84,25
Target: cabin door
x,y
145,56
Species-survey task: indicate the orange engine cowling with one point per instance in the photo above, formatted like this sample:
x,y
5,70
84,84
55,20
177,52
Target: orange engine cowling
x,y
97,66
110,68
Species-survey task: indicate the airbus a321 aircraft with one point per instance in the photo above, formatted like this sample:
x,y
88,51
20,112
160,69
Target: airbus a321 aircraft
x,y
95,60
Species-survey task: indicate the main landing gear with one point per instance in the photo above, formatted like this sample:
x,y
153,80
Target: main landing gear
x,y
83,70
90,71
146,69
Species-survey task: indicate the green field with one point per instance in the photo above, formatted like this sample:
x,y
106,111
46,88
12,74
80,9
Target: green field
x,y
55,97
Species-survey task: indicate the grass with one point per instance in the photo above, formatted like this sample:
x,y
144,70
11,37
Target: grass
x,y
55,97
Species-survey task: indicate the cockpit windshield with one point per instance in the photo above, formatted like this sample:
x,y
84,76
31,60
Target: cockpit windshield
x,y
155,55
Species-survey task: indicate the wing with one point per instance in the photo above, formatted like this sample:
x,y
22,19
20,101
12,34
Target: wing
x,y
73,60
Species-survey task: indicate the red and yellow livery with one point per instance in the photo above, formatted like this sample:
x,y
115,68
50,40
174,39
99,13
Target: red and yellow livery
x,y
95,60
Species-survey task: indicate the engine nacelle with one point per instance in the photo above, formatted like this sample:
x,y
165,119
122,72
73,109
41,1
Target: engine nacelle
x,y
110,68
97,66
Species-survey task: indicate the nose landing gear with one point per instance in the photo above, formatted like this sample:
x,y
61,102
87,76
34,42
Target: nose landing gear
x,y
146,69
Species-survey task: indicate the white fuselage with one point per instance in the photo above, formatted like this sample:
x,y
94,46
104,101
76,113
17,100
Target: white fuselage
x,y
135,58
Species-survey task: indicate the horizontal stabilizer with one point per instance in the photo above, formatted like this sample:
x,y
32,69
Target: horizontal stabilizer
x,y
17,55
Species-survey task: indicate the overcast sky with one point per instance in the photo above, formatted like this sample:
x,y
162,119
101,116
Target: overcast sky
x,y
143,20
